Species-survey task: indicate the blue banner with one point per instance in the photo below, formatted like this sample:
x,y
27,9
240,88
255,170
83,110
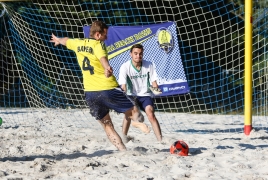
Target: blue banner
x,y
160,47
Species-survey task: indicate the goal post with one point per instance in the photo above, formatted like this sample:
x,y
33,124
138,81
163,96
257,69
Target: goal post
x,y
211,36
248,67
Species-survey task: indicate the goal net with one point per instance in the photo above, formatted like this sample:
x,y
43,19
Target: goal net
x,y
37,78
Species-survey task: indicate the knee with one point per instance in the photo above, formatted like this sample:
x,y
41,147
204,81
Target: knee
x,y
151,117
106,123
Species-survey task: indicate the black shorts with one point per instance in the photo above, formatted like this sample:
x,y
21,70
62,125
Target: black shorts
x,y
100,102
143,101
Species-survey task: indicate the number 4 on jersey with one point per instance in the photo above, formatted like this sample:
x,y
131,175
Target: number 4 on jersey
x,y
87,66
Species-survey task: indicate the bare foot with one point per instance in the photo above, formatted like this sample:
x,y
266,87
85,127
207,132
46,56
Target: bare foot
x,y
143,127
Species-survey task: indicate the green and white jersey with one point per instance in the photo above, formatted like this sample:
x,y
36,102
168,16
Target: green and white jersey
x,y
137,81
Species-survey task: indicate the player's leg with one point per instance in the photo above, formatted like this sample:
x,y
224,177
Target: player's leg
x,y
125,126
137,121
136,115
132,114
119,102
126,123
147,104
112,135
98,109
154,122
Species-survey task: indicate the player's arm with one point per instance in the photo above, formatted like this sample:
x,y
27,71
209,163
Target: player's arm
x,y
123,78
153,76
155,89
101,53
108,70
154,84
124,87
58,41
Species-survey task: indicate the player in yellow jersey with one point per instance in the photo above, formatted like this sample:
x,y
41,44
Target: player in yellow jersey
x,y
101,88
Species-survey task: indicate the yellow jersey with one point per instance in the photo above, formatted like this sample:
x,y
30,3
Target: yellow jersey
x,y
88,53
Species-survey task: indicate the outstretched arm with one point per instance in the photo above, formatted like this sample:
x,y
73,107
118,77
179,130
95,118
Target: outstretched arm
x,y
58,41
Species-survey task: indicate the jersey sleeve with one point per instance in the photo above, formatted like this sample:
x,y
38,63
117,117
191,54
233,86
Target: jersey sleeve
x,y
153,75
100,50
122,75
71,44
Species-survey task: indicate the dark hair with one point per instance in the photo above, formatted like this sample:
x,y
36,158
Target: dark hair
x,y
97,26
139,46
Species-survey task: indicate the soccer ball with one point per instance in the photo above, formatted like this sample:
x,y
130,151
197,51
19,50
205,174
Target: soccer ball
x,y
180,148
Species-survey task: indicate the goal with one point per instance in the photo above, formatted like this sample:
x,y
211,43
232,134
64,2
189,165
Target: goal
x,y
36,76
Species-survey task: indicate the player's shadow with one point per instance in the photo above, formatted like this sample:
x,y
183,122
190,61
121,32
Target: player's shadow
x,y
210,131
250,146
58,156
262,138
224,147
16,112
165,150
192,151
196,151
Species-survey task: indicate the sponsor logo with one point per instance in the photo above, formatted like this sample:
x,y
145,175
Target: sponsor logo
x,y
165,89
164,39
176,88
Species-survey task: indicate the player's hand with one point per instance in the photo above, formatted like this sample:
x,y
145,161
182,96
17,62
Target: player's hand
x,y
108,71
155,90
55,40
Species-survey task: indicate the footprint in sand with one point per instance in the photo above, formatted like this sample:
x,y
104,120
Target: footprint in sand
x,y
126,139
140,149
144,150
